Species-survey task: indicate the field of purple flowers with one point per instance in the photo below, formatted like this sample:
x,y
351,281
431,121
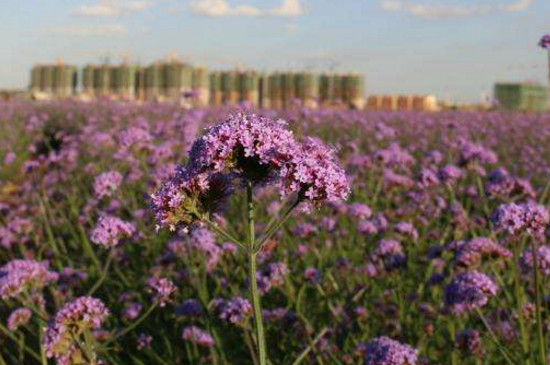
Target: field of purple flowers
x,y
151,234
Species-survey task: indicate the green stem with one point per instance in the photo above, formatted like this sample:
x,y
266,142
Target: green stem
x,y
520,303
270,231
255,296
494,338
133,325
304,353
540,333
216,228
103,274
9,334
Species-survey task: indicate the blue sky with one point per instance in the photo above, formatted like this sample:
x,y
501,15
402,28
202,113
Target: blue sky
x,y
455,49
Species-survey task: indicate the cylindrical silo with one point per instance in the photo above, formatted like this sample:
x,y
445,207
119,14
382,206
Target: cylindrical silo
x,y
36,79
307,89
153,81
101,80
264,91
199,84
88,80
276,91
216,94
249,87
230,87
47,79
354,88
289,89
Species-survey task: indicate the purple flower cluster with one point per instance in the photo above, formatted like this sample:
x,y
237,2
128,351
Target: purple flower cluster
x,y
186,197
470,253
468,291
526,261
256,149
246,144
162,289
272,276
385,351
198,336
106,184
234,310
83,313
314,174
517,218
18,318
110,230
502,184
19,276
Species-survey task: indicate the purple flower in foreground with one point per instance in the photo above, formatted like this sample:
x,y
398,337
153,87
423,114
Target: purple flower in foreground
x,y
83,313
18,318
19,276
468,291
385,351
249,145
545,42
162,289
314,174
187,197
198,336
107,183
110,230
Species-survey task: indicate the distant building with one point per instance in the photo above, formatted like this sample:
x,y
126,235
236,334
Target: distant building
x,y
56,80
179,82
402,102
521,96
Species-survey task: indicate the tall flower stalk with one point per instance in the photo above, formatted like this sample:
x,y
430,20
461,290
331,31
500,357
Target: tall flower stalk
x,y
247,151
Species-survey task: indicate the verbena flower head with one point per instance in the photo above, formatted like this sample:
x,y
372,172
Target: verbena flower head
x,y
545,42
19,276
526,261
18,318
469,253
385,351
250,146
469,291
70,322
529,217
162,289
198,336
107,183
110,230
314,174
188,197
234,310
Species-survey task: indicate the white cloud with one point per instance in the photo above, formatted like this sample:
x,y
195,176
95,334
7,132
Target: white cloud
x,y
111,8
85,30
288,8
434,11
519,5
222,8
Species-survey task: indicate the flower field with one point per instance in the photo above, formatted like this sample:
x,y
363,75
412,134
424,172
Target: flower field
x,y
154,234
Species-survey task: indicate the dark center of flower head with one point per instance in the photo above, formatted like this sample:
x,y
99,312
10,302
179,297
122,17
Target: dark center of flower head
x,y
251,168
